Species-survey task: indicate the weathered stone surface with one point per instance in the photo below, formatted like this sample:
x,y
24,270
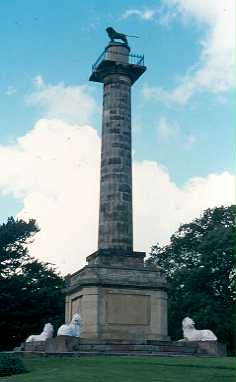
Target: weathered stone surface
x,y
34,346
117,259
120,300
127,309
62,344
213,348
72,346
115,226
117,296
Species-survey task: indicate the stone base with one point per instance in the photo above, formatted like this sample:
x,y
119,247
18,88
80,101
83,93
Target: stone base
x,y
213,348
34,346
118,298
73,346
62,344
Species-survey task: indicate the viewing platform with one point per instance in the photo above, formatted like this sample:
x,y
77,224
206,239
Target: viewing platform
x,y
116,58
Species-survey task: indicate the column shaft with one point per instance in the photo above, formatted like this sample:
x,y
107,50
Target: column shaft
x,y
115,215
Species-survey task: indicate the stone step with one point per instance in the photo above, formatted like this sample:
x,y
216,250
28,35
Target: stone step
x,y
72,345
137,348
104,353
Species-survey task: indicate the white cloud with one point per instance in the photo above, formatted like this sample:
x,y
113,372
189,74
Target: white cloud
x,y
74,104
180,95
214,72
170,131
10,90
54,169
145,14
160,206
166,16
39,81
166,129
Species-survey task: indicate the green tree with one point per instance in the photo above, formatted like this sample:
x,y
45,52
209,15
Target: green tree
x,y
199,265
30,290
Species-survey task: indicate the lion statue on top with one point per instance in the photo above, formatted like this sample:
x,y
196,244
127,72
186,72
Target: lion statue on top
x,y
116,35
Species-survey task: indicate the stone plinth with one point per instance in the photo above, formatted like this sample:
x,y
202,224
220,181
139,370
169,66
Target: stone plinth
x,y
62,344
34,346
119,298
73,346
213,348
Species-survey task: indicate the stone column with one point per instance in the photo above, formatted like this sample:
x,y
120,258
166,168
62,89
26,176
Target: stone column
x,y
118,70
115,217
120,298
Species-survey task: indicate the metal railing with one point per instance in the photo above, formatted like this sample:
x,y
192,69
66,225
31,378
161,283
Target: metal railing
x,y
134,59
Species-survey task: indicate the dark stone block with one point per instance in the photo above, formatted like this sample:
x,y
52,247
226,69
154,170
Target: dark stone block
x,y
113,131
37,346
122,228
120,145
127,196
125,188
119,215
213,348
62,344
115,118
114,160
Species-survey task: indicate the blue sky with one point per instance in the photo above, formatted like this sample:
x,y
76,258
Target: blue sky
x,y
183,106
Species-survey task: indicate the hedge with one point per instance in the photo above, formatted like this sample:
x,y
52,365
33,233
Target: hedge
x,y
11,364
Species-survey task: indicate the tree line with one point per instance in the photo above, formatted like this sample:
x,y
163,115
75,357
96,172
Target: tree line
x,y
200,270
198,263
30,290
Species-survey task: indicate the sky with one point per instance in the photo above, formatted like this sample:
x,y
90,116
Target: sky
x,y
182,117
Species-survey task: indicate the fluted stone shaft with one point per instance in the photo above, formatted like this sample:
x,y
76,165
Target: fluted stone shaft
x,y
115,217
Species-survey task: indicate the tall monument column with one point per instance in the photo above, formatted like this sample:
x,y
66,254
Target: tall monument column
x,y
115,215
117,73
118,297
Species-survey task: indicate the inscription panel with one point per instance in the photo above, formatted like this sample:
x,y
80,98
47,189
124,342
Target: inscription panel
x,y
127,309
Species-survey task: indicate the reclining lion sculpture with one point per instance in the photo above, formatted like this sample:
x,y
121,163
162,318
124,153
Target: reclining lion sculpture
x,y
73,328
192,334
46,333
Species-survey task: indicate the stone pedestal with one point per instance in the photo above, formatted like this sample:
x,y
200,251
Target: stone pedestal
x,y
119,298
212,348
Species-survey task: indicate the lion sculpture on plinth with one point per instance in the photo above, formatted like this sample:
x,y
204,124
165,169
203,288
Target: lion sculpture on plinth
x,y
46,333
192,334
116,35
72,329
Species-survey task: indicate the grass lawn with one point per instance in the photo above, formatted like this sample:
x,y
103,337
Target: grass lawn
x,y
126,369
